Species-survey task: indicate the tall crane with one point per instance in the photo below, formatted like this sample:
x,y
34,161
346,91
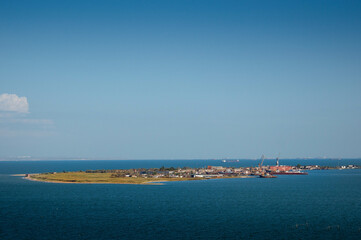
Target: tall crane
x,y
260,165
277,160
263,174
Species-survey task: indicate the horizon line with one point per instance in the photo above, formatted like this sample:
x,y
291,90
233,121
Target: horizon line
x,y
168,159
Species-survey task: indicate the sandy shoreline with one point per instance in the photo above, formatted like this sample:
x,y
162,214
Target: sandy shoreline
x,y
161,182
45,181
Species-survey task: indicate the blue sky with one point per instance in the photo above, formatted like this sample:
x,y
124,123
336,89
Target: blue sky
x,y
180,79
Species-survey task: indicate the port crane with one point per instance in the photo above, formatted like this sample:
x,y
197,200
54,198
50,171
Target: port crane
x,y
260,165
263,174
278,160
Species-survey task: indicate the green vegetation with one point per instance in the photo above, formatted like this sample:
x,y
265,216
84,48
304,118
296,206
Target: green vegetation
x,y
99,177
141,175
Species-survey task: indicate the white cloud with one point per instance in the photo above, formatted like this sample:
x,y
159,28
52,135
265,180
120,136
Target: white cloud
x,y
13,103
33,121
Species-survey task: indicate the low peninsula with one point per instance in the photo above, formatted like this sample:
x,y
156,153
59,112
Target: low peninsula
x,y
139,176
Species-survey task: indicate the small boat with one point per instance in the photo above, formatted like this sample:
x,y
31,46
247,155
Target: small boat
x,y
231,161
267,175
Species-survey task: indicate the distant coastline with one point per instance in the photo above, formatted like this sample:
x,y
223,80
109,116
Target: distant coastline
x,y
174,159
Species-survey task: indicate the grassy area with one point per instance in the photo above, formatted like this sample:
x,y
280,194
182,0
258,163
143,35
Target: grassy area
x,y
82,177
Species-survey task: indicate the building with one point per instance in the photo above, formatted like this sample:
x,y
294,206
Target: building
x,y
281,168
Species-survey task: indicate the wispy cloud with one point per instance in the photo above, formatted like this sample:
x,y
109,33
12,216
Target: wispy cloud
x,y
31,121
13,103
15,133
14,121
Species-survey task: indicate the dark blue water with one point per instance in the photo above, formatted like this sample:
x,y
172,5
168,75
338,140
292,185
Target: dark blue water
x,y
322,205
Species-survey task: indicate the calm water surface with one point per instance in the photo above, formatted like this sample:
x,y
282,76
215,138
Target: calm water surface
x,y
322,205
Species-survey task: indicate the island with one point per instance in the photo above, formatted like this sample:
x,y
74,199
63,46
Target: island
x,y
159,175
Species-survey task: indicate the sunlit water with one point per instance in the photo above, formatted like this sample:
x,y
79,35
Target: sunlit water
x,y
321,205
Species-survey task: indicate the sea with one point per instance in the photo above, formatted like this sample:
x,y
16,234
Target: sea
x,y
326,204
